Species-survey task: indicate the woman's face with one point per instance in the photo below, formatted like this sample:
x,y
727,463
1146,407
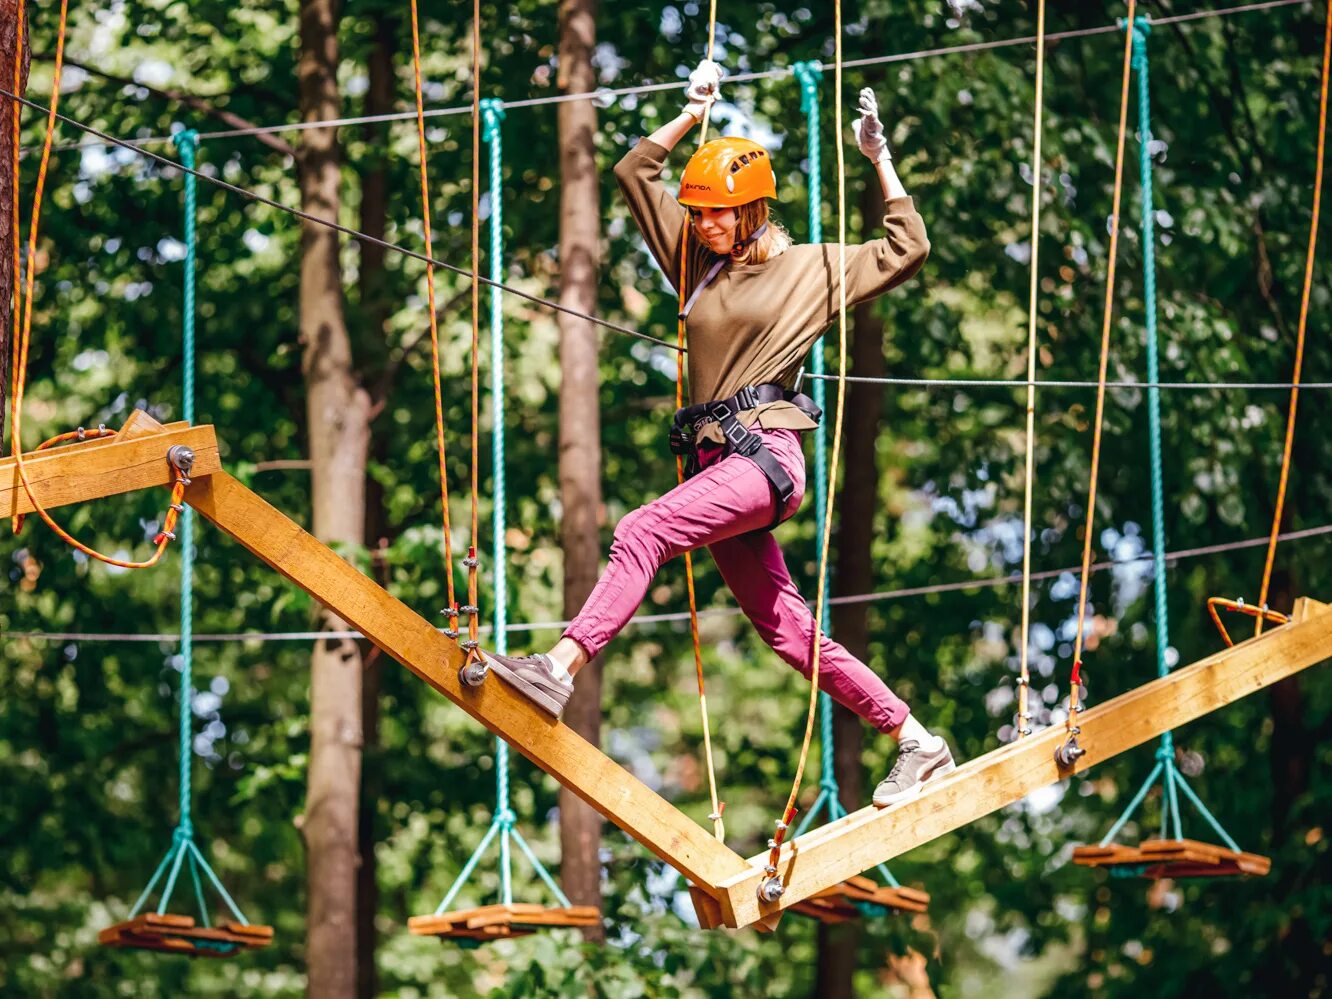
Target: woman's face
x,y
715,227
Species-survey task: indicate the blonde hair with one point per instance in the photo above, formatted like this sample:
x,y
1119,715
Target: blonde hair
x,y
774,241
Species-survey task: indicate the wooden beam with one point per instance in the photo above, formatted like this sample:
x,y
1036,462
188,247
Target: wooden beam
x,y
848,846
411,640
93,470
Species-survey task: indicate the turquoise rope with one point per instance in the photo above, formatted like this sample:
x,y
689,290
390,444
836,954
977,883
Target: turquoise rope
x,y
809,75
502,825
182,847
1165,769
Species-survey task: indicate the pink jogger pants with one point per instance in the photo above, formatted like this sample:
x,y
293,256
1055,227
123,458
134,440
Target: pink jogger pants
x,y
725,506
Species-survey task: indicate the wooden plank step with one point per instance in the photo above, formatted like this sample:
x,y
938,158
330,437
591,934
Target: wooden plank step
x,y
178,934
1166,858
500,921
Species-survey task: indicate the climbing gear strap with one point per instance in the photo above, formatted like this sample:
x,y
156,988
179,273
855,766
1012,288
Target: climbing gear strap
x,y
714,270
739,438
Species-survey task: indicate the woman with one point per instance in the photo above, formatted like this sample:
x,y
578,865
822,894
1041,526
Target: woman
x,y
755,304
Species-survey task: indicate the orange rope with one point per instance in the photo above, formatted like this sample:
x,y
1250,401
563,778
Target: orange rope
x,y
23,328
1300,336
441,447
1107,315
1240,607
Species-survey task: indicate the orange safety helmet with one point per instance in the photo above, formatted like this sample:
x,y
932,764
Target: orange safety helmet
x,y
727,173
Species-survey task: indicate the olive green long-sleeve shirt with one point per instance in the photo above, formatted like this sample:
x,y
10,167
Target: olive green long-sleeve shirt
x,y
755,323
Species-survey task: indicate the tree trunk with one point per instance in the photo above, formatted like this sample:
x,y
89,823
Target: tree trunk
x,y
856,504
8,192
337,409
580,420
374,310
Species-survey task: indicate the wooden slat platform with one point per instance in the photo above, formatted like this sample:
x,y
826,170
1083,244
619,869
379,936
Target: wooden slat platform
x,y
179,935
499,922
857,897
1174,858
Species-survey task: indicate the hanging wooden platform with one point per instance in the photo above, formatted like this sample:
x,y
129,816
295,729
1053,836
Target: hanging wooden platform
x,y
1173,858
858,897
500,922
179,935
724,884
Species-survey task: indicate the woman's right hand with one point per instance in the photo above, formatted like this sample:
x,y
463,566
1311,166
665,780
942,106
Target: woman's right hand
x,y
704,88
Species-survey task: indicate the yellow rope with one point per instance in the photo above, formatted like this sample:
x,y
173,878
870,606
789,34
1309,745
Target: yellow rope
x,y
718,806
1024,673
788,813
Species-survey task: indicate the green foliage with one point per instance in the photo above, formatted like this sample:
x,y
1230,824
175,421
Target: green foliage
x,y
87,746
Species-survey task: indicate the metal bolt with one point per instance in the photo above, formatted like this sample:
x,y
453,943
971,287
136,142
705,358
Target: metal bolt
x,y
181,457
473,674
770,890
1069,752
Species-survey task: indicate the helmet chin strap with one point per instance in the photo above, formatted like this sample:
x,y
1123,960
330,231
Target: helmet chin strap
x,y
716,267
745,243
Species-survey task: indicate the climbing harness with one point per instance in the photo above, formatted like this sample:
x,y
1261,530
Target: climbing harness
x,y
690,420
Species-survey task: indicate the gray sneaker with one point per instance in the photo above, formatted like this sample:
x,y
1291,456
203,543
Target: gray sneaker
x,y
913,768
534,677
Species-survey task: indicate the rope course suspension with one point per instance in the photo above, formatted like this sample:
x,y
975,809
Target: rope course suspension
x,y
1286,451
675,617
715,816
771,888
1023,726
1170,855
160,930
506,919
607,94
864,897
1070,751
23,296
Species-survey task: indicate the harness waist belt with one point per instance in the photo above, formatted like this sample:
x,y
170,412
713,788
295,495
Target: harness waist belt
x,y
739,439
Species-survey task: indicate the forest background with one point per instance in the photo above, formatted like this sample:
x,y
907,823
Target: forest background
x,y
294,322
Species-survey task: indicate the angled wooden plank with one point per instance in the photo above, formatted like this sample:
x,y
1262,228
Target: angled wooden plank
x,y
853,844
412,641
95,469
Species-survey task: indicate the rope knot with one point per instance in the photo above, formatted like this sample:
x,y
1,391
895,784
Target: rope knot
x,y
183,833
808,74
506,817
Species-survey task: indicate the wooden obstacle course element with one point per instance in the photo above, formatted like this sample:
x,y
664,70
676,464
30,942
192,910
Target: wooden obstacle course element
x,y
809,864
500,922
1173,858
860,896
179,935
96,469
850,845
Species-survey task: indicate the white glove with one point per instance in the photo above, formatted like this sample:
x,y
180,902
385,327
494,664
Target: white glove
x,y
869,129
704,88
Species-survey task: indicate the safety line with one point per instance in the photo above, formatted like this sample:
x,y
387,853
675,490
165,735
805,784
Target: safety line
x,y
676,617
1074,384
338,227
609,93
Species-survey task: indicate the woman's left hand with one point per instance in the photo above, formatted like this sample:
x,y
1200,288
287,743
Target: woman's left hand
x,y
869,129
